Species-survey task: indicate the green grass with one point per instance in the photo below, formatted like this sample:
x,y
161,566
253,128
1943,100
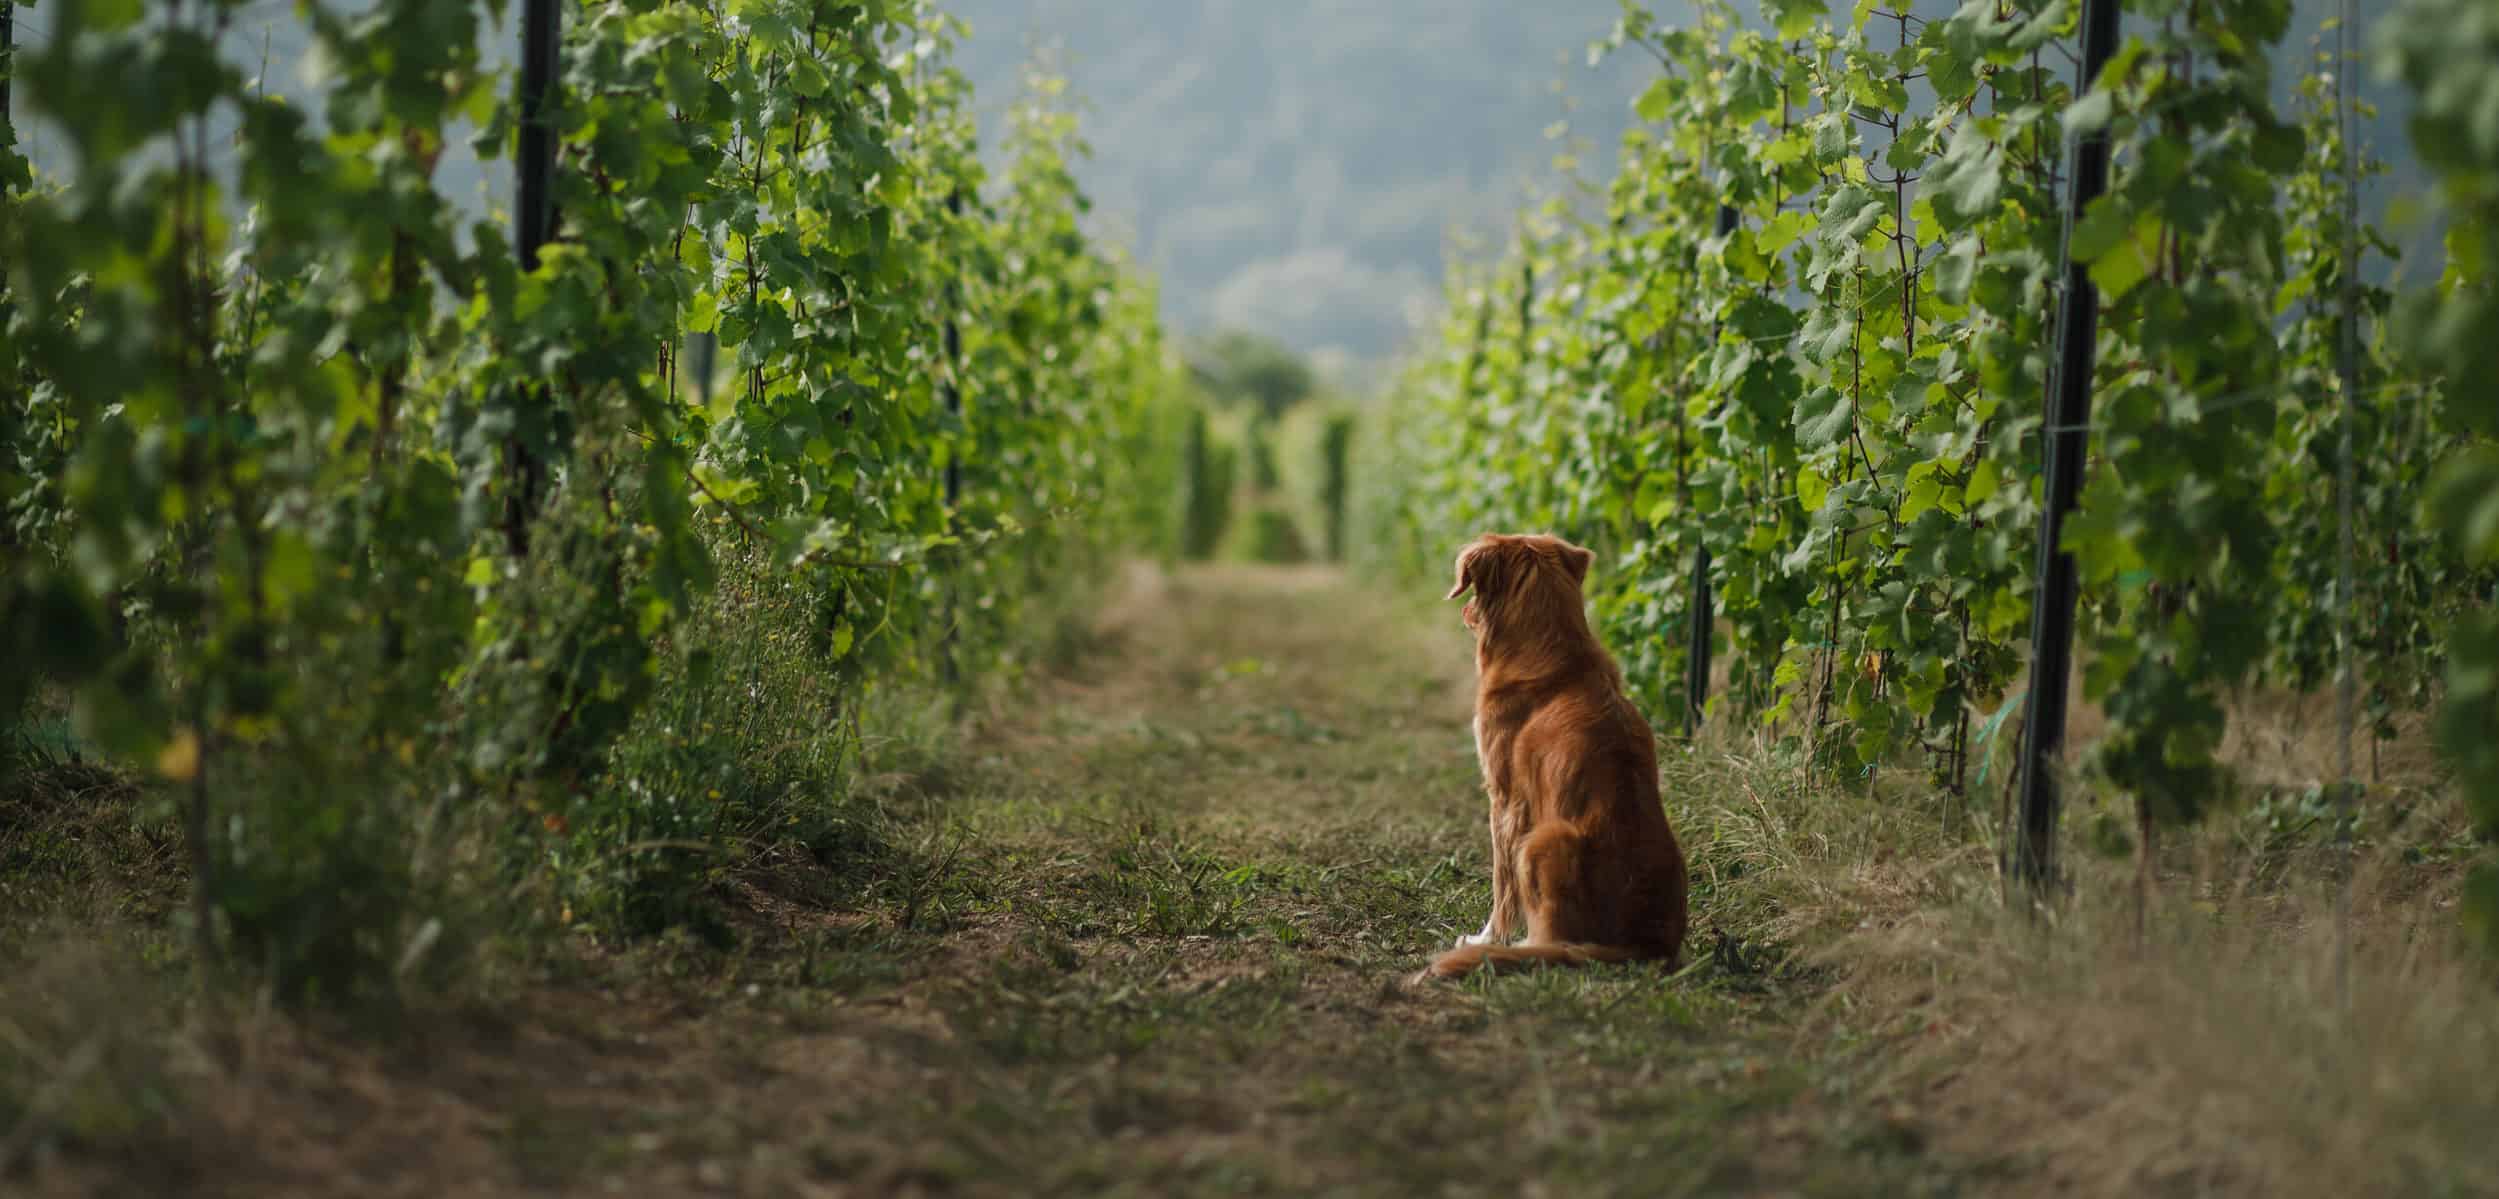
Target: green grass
x,y
1142,927
1162,919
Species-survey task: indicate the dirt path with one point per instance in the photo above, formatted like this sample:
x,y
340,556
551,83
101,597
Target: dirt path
x,y
1141,934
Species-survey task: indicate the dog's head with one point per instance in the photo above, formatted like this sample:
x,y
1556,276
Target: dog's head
x,y
1518,578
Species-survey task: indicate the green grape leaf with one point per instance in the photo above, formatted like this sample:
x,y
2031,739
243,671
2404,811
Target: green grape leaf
x,y
2117,269
1823,416
1795,18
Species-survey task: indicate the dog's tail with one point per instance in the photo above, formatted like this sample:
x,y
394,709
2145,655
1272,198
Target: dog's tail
x,y
1466,959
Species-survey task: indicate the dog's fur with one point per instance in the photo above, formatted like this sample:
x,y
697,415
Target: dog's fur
x,y
1581,851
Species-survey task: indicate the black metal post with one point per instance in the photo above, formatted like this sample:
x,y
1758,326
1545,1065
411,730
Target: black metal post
x,y
534,216
1704,604
8,65
2068,447
533,223
1526,320
706,358
954,381
949,660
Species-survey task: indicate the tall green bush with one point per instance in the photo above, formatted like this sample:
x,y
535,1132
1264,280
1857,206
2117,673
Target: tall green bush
x,y
1208,468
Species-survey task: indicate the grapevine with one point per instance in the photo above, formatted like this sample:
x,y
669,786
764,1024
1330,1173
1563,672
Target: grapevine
x,y
356,525
1839,400
2442,51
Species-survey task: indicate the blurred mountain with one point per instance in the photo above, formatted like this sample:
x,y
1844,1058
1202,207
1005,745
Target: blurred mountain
x,y
1295,167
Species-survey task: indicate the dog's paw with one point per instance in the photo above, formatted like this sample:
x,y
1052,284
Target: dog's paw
x,y
1469,939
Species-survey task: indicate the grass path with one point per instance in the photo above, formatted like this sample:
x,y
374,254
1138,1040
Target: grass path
x,y
1141,933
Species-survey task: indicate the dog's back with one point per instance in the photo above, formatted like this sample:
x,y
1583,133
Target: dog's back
x,y
1571,769
1588,765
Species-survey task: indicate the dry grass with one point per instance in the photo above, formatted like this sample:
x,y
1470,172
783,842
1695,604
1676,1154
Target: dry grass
x,y
2212,1053
1139,929
1136,929
2210,1059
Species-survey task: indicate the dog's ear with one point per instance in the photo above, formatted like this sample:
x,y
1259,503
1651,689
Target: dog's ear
x,y
1474,568
1578,560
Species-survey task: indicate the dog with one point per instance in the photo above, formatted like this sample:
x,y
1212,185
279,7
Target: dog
x,y
1581,851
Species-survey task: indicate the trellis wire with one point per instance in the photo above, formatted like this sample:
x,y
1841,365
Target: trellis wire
x,y
2221,403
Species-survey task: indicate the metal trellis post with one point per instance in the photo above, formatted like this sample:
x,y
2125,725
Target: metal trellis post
x,y
2068,446
533,224
1704,605
954,381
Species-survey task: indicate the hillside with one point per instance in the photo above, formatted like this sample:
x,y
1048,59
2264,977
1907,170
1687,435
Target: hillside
x,y
1295,166
1291,167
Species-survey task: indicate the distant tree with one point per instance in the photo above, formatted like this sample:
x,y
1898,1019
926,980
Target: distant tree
x,y
1247,368
1206,468
1336,442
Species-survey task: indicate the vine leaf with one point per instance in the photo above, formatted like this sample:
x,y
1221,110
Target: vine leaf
x,y
2091,114
1795,18
1955,271
2118,268
1822,418
1969,180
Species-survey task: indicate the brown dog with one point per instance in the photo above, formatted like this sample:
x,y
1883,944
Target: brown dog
x,y
1580,847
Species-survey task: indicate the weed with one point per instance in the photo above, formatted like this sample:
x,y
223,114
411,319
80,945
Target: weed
x,y
86,1058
